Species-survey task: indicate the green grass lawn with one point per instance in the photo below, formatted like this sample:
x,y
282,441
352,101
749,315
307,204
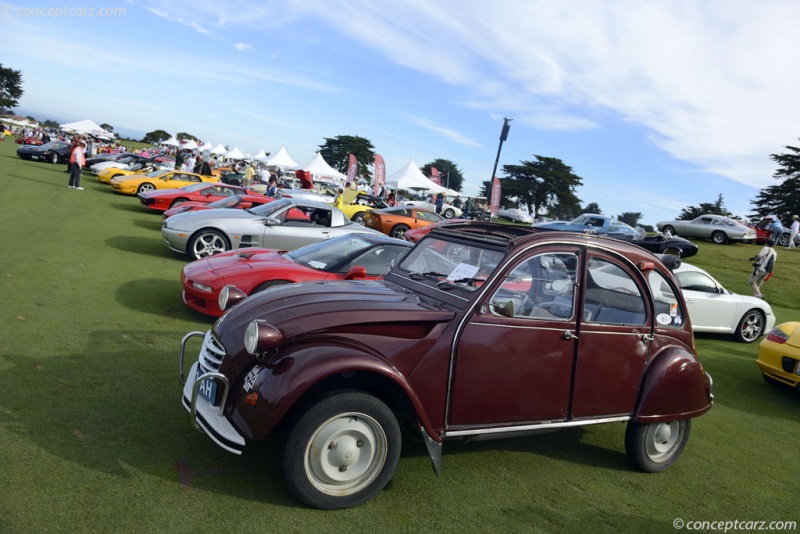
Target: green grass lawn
x,y
93,437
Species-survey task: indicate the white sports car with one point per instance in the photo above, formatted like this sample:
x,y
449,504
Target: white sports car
x,y
712,308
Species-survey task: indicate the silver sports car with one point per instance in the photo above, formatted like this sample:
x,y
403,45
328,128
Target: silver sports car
x,y
283,224
715,227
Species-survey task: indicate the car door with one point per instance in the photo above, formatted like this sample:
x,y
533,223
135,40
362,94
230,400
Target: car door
x,y
708,307
701,227
292,233
514,357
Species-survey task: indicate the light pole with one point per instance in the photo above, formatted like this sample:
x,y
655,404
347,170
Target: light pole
x,y
503,137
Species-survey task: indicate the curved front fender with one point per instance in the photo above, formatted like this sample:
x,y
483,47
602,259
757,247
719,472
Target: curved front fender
x,y
282,383
675,386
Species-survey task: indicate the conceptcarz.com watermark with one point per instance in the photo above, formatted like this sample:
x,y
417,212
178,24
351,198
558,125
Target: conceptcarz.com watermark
x,y
10,10
732,526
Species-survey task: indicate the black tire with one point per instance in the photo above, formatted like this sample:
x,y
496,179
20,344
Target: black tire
x,y
178,201
358,217
342,450
751,327
398,231
145,187
670,229
720,238
207,242
784,240
54,158
266,285
654,447
449,213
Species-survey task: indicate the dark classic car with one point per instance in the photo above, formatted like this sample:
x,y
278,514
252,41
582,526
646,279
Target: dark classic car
x,y
54,152
482,330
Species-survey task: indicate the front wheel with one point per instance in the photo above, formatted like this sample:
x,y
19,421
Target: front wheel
x,y
750,327
669,230
145,187
672,251
398,231
720,238
342,451
449,213
653,447
358,217
54,158
178,201
207,243
784,240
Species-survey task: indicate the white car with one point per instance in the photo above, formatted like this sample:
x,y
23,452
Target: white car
x,y
448,210
714,309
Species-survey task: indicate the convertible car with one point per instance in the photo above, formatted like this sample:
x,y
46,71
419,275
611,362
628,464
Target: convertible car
x,y
139,183
358,206
106,175
162,200
275,225
717,228
124,162
349,257
589,223
54,152
241,202
396,220
779,355
448,210
714,309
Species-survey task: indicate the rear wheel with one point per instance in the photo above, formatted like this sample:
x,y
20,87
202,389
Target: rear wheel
x,y
669,229
358,217
398,231
207,243
342,451
750,327
145,187
720,238
654,447
784,239
178,201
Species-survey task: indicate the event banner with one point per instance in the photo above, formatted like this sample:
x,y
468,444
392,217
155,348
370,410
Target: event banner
x,y
352,169
494,207
435,176
380,174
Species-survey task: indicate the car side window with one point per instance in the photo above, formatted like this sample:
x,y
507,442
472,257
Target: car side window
x,y
669,311
541,287
694,281
377,261
612,296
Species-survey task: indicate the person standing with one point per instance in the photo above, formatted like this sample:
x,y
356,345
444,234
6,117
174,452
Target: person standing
x,y
178,160
272,188
762,266
776,228
793,230
339,202
439,203
76,162
249,173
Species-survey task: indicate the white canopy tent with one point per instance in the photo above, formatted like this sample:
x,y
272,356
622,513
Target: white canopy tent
x,y
281,159
86,127
410,177
219,149
171,142
319,168
235,154
191,144
206,147
261,156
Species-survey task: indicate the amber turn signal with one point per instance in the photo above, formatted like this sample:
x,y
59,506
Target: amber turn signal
x,y
251,399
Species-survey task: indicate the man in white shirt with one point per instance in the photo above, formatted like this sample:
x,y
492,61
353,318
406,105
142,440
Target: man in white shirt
x,y
762,266
793,230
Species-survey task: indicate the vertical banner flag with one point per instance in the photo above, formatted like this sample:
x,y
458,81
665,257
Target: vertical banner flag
x,y
495,205
352,170
380,174
435,176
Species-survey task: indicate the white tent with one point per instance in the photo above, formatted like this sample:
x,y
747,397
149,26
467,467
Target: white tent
x,y
86,127
319,168
261,156
219,149
235,154
281,159
171,142
410,177
191,144
206,147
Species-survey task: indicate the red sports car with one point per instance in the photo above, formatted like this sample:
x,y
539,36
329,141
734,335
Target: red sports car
x,y
199,192
255,269
28,141
241,202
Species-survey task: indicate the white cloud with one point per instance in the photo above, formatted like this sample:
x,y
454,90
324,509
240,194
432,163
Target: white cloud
x,y
242,47
444,131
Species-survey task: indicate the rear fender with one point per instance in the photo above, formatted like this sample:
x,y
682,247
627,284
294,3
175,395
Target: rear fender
x,y
675,386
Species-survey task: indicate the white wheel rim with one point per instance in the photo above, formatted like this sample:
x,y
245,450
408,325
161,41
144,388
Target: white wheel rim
x,y
146,187
662,439
345,454
208,244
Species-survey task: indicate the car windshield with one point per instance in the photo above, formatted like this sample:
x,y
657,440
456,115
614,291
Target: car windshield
x,y
194,187
266,210
156,174
451,264
329,252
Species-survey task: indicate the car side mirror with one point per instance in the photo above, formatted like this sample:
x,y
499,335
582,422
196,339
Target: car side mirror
x,y
356,271
506,309
269,221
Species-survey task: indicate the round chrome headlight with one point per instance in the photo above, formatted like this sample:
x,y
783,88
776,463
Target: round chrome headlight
x,y
260,336
229,297
251,338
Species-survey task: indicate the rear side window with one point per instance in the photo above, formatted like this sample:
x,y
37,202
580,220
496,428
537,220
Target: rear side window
x,y
612,296
668,309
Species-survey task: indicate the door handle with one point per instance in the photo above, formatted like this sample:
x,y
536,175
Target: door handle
x,y
647,338
569,335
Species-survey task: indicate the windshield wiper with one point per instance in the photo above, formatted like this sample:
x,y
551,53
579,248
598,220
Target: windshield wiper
x,y
452,283
428,274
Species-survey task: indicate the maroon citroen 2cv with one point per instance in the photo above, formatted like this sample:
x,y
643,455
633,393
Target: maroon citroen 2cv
x,y
481,330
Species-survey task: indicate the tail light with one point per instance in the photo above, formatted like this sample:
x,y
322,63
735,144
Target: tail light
x,y
778,336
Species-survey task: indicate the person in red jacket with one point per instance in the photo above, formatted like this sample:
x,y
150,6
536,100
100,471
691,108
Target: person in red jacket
x,y
76,163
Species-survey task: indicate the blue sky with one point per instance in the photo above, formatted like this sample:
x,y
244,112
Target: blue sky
x,y
657,105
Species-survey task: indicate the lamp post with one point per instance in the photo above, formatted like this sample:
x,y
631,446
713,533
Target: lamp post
x,y
503,137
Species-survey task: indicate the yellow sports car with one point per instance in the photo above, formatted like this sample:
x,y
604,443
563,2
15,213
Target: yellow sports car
x,y
358,203
779,355
106,175
140,183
